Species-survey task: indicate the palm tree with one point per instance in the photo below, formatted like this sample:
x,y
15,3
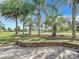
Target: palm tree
x,y
39,6
24,23
54,21
14,9
73,18
74,10
30,23
10,9
26,9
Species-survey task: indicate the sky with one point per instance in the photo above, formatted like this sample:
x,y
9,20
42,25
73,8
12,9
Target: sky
x,y
66,11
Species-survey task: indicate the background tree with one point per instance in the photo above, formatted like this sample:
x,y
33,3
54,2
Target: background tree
x,y
9,30
27,9
39,6
30,22
74,5
53,19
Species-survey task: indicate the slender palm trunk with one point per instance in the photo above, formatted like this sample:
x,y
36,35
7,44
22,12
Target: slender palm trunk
x,y
30,28
54,30
73,19
39,17
39,32
23,27
16,26
39,28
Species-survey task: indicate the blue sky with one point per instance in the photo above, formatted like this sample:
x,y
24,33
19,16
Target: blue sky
x,y
11,24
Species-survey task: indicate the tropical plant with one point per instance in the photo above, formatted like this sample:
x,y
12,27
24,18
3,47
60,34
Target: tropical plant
x,y
39,6
11,9
54,18
15,9
9,30
27,9
73,4
30,23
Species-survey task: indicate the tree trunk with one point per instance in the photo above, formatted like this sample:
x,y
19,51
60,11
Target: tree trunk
x,y
54,30
16,26
39,29
23,27
39,16
73,19
30,28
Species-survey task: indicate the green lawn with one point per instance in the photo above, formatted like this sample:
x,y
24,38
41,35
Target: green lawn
x,y
6,37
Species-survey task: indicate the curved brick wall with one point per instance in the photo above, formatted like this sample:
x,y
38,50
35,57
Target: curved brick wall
x,y
42,44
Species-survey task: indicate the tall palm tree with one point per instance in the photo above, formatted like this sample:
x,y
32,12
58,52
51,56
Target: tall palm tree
x,y
26,9
10,9
73,18
30,23
24,23
39,5
74,10
14,9
54,21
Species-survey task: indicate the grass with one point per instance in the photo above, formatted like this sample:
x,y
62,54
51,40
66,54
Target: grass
x,y
6,37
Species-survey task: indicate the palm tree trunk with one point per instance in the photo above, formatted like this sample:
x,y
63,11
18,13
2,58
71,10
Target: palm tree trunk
x,y
73,19
30,28
16,26
54,30
39,17
39,29
23,27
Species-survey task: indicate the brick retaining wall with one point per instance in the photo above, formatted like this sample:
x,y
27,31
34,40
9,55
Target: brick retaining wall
x,y
43,44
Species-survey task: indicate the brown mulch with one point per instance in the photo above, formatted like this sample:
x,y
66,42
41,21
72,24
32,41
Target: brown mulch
x,y
55,37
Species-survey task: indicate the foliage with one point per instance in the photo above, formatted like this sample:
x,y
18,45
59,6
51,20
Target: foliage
x,y
10,30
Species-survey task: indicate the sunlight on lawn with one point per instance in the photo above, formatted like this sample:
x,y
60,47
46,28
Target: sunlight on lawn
x,y
6,34
6,37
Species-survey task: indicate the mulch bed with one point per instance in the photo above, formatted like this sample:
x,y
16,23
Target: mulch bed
x,y
54,37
